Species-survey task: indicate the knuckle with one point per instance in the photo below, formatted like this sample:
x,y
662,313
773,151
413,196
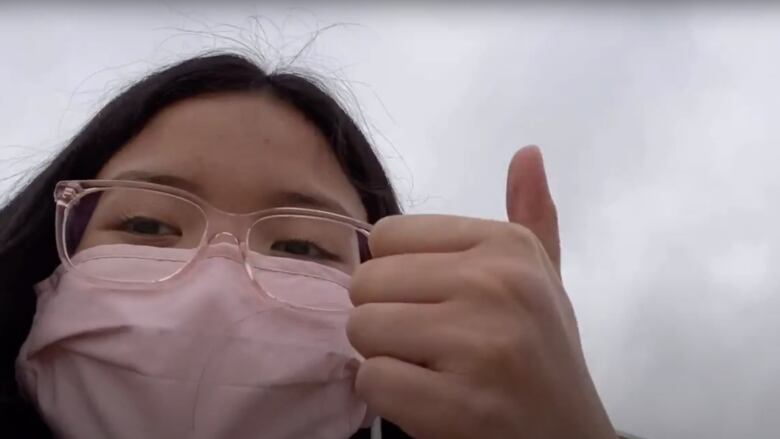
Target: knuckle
x,y
485,411
498,351
523,243
520,283
510,273
520,237
500,280
480,279
532,289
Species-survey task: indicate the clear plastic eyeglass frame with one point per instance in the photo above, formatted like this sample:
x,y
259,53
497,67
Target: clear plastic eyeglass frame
x,y
218,223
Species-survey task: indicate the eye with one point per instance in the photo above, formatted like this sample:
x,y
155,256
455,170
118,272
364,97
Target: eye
x,y
301,249
148,226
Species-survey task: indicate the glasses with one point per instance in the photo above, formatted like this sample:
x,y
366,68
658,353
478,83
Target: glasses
x,y
117,219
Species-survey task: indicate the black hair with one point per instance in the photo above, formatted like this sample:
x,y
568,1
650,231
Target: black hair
x,y
27,244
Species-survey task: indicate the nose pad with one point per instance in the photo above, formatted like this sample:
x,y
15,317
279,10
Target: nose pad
x,y
224,237
225,244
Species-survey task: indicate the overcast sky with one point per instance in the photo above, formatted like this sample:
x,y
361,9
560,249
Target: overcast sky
x,y
659,126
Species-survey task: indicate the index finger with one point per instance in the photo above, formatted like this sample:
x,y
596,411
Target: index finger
x,y
399,234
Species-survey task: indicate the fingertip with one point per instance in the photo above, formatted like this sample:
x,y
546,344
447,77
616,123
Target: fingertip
x,y
354,329
356,283
378,236
528,160
525,151
368,375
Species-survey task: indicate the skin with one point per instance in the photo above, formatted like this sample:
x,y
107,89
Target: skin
x,y
240,152
465,325
467,328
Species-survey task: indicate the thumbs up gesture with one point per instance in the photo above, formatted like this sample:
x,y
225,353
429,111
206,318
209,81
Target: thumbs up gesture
x,y
466,327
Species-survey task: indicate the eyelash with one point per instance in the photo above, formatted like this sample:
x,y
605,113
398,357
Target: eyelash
x,y
124,221
126,218
326,254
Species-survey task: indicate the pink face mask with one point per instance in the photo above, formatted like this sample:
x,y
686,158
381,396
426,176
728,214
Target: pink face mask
x,y
206,355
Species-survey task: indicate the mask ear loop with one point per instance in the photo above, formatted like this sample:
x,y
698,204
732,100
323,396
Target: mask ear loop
x,y
376,428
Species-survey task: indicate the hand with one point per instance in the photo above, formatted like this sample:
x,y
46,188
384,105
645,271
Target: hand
x,y
466,328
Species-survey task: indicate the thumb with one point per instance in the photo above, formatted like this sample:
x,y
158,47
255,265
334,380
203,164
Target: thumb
x,y
529,203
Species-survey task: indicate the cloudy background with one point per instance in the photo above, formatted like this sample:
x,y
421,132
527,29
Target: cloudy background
x,y
659,126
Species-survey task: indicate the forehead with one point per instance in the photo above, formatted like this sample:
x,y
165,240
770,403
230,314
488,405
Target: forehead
x,y
241,152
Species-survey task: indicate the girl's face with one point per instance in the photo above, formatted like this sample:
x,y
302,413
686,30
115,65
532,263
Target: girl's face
x,y
212,332
242,153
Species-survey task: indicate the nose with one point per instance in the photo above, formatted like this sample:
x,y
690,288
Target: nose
x,y
225,240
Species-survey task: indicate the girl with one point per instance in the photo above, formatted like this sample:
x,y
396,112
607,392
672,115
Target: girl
x,y
228,261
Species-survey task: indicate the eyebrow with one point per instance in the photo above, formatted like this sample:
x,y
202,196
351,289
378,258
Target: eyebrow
x,y
288,198
163,179
310,201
